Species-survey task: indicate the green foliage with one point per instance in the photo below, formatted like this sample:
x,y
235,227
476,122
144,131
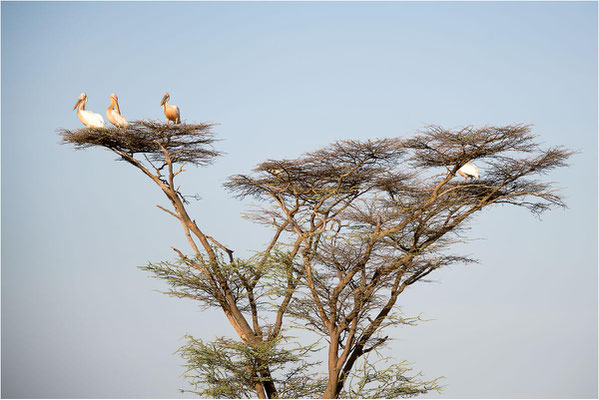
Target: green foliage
x,y
265,277
374,380
354,224
226,368
184,280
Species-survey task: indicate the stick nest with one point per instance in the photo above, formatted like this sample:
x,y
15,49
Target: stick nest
x,y
190,143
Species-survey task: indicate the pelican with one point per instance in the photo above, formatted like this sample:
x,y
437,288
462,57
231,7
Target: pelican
x,y
468,170
171,112
89,119
114,113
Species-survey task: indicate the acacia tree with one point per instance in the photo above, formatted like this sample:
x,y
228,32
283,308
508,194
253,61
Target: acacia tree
x,y
161,152
353,225
375,217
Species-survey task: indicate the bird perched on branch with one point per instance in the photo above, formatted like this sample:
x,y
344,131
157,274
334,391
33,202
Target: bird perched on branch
x,y
468,170
114,113
171,112
89,119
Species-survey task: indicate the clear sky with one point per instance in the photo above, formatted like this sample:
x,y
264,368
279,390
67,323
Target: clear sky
x,y
79,319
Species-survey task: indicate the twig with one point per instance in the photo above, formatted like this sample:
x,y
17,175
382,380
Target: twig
x,y
229,251
168,211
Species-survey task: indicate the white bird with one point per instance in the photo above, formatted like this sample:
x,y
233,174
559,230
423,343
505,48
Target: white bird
x,y
89,119
468,170
114,113
171,112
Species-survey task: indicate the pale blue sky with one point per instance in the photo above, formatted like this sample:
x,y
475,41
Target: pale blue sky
x,y
80,320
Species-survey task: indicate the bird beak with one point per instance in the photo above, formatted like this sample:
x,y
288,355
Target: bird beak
x,y
78,101
163,100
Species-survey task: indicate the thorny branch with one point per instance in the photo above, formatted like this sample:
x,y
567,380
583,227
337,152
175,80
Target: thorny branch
x,y
392,223
354,224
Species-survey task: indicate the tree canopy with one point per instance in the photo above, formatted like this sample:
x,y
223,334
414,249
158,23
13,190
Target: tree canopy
x,y
352,225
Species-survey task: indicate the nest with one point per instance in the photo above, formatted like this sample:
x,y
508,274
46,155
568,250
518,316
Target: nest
x,y
190,143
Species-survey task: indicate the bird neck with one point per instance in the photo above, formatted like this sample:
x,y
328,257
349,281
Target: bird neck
x,y
80,109
114,106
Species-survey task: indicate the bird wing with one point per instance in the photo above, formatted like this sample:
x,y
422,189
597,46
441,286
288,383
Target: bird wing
x,y
171,112
93,120
122,121
118,119
475,170
469,169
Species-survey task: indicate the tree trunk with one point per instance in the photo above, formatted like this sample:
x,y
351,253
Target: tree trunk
x,y
331,390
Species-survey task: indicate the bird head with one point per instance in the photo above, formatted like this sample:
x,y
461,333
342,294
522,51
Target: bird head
x,y
165,98
82,99
114,97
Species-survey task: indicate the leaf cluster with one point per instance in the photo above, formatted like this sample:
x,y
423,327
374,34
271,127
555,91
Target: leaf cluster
x,y
385,379
226,368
